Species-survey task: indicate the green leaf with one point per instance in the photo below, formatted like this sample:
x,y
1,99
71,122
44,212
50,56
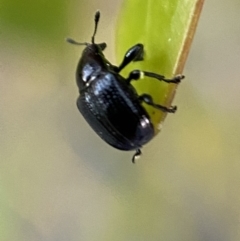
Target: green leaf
x,y
166,29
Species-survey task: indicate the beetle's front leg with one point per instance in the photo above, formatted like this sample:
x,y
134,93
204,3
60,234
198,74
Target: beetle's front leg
x,y
133,54
149,101
138,74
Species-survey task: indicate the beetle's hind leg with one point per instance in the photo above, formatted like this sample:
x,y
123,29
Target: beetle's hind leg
x,y
135,53
149,101
136,155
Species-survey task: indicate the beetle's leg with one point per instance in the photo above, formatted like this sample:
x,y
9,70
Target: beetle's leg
x,y
137,74
136,155
133,54
149,101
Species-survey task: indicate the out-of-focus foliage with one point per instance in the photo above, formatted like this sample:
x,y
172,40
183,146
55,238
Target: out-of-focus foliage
x,y
39,19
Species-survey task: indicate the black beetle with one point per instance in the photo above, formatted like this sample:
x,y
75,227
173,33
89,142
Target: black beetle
x,y
109,102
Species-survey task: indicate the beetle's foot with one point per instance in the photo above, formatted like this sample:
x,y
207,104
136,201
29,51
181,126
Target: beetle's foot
x,y
177,79
136,155
171,109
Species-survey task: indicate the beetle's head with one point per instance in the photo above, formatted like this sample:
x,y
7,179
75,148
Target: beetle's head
x,y
91,46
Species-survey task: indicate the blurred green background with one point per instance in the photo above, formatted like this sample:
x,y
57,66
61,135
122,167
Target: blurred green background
x,y
59,181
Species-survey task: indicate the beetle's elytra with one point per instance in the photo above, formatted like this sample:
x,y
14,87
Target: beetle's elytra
x,y
109,103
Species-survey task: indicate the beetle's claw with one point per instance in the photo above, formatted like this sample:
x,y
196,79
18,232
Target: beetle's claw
x,y
136,155
172,109
177,79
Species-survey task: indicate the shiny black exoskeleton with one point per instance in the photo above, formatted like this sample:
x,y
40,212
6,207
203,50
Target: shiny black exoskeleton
x,y
109,102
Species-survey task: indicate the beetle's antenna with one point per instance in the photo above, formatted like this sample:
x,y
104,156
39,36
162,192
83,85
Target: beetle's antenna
x,y
72,41
96,19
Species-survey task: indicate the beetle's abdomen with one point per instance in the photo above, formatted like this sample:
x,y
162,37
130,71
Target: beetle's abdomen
x,y
112,109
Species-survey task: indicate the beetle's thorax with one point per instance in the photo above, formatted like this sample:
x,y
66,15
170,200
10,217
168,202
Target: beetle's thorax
x,y
91,64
